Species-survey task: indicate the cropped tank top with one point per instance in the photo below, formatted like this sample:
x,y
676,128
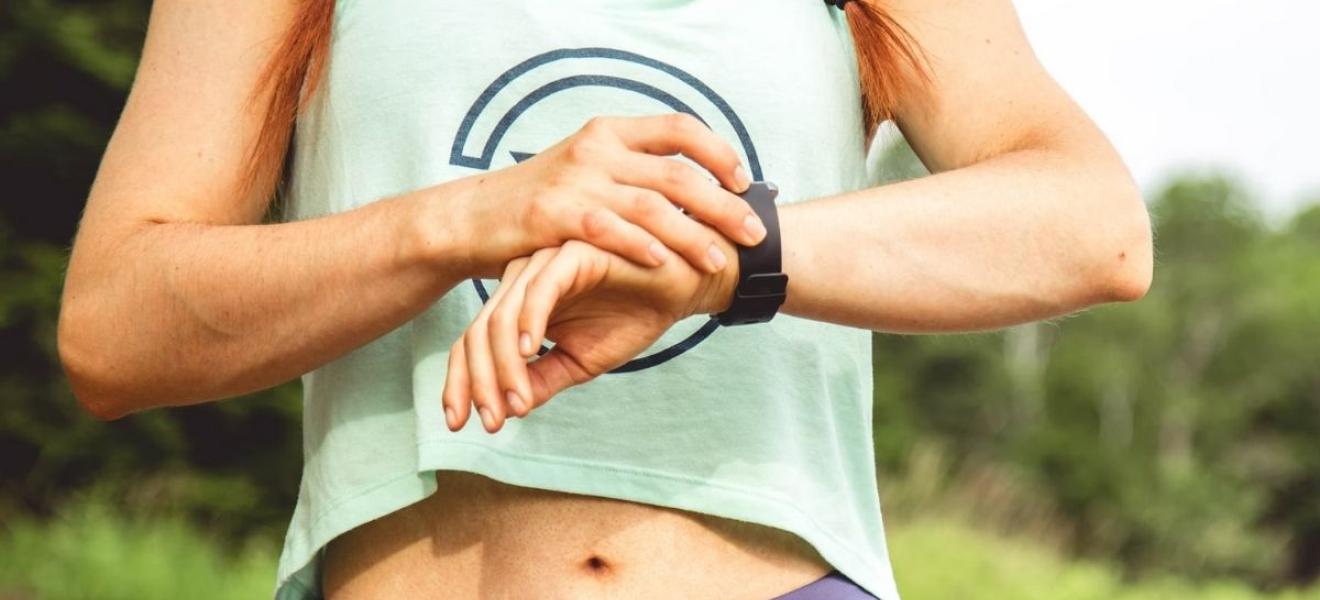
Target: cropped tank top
x,y
767,423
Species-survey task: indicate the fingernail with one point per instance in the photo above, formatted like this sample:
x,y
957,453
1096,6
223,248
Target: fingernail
x,y
754,228
658,251
449,417
744,181
717,257
486,419
525,343
515,402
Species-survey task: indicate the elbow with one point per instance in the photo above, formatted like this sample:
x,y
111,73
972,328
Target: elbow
x,y
93,394
86,367
1125,266
1129,283
100,406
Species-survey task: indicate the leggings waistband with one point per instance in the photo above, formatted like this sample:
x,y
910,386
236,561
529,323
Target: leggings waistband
x,y
833,586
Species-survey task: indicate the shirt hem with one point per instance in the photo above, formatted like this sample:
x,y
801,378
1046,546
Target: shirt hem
x,y
576,476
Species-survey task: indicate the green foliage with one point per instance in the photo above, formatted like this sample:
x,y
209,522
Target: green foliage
x,y
66,67
237,461
100,39
1179,434
91,550
975,566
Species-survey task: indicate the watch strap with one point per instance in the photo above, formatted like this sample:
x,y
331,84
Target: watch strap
x,y
762,285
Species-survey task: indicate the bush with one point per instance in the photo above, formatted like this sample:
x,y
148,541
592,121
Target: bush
x,y
938,559
89,551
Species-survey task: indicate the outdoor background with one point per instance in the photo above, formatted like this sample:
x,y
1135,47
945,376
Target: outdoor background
x,y
1164,449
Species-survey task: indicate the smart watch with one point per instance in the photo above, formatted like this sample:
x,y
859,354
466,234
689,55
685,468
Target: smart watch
x,y
761,285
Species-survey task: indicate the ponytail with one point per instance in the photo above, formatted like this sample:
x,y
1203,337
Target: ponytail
x,y
888,62
286,84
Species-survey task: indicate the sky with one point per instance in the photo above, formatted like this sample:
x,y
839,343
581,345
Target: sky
x,y
1184,85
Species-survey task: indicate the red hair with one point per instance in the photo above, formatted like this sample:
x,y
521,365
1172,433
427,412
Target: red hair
x,y
888,59
287,83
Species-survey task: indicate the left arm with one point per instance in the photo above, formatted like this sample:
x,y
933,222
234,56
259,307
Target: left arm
x,y
1030,213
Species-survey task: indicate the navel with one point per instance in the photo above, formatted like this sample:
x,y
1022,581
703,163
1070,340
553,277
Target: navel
x,y
596,565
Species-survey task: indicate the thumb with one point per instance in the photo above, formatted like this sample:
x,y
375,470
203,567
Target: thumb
x,y
554,372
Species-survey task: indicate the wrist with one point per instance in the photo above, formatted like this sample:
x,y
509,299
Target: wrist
x,y
429,238
761,283
716,293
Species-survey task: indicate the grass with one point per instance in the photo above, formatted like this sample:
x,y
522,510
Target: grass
x,y
90,552
937,559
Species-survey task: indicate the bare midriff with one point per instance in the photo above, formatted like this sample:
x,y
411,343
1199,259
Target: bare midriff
x,y
479,538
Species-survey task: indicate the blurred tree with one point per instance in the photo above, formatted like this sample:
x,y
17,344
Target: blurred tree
x,y
1177,433
66,68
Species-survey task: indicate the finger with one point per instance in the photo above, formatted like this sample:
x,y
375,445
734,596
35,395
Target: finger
x,y
510,365
484,390
455,396
481,369
551,284
690,239
517,271
502,328
684,186
554,372
602,227
681,133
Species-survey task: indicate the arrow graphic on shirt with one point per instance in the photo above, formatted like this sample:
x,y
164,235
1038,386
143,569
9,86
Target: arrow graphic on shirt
x,y
497,109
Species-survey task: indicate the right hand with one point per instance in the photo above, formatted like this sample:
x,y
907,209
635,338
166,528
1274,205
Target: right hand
x,y
611,185
600,310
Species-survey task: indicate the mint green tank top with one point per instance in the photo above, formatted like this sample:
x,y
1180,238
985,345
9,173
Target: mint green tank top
x,y
766,423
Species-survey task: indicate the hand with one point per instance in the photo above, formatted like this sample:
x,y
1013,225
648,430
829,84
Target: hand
x,y
600,310
611,185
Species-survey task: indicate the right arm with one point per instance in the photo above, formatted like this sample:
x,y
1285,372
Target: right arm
x,y
176,294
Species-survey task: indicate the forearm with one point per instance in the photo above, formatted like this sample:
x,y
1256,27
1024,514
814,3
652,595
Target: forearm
x,y
1024,236
180,313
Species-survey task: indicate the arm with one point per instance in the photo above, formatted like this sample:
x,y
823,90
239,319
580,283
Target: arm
x,y
1030,212
176,294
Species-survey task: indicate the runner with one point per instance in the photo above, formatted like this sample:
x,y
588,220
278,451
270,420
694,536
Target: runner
x,y
470,186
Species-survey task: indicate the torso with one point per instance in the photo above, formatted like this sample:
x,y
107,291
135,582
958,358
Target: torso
x,y
479,538
405,76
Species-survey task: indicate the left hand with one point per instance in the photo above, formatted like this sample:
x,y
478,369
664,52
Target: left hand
x,y
601,310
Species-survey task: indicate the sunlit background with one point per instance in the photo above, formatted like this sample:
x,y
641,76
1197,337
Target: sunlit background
x,y
1195,84
1164,449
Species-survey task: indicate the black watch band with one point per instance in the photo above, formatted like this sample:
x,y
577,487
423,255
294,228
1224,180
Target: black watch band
x,y
761,284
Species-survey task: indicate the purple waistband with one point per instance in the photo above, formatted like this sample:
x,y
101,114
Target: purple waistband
x,y
833,586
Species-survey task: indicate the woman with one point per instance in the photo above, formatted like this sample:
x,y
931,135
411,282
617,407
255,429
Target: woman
x,y
441,145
